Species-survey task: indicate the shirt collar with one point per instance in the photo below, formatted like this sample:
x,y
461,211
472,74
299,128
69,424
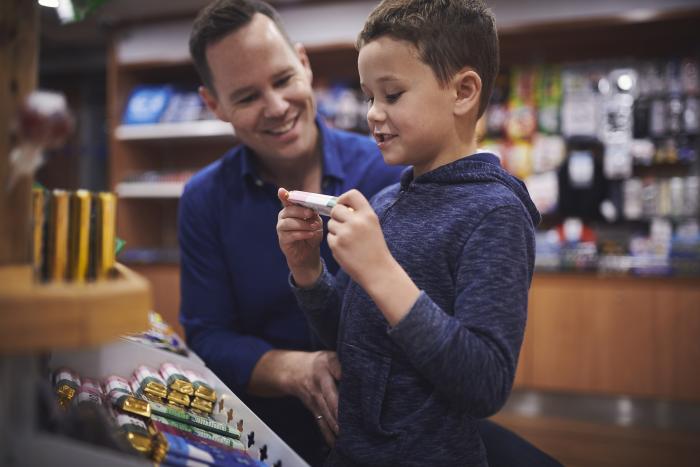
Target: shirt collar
x,y
248,169
332,165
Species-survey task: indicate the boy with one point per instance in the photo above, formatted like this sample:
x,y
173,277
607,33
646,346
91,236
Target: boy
x,y
429,309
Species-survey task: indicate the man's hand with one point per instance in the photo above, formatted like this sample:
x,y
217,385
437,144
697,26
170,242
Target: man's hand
x,y
310,376
315,383
300,231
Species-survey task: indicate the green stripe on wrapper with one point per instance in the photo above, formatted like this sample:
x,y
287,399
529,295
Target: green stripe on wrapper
x,y
189,418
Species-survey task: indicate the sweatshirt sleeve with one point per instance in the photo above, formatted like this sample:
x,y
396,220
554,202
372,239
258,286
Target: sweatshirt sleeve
x,y
471,356
321,304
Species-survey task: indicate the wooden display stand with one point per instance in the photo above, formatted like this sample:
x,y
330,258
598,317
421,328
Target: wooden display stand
x,y
38,317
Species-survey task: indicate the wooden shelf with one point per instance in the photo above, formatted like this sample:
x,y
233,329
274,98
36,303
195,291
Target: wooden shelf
x,y
38,317
150,189
206,129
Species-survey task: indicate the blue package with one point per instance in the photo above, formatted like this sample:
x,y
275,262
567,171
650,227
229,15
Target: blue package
x,y
146,104
180,449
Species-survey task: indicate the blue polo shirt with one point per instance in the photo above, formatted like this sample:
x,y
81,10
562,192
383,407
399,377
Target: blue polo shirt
x,y
236,303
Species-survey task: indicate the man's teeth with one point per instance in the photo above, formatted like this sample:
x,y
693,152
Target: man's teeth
x,y
283,129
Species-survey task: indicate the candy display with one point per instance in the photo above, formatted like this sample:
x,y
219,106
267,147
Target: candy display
x,y
166,433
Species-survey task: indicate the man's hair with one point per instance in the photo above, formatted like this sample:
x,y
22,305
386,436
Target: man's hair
x,y
217,20
448,34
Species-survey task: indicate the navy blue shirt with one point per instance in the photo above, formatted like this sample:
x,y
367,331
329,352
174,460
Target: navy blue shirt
x,y
235,299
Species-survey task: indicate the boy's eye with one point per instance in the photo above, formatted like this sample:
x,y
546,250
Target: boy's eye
x,y
247,99
369,99
393,97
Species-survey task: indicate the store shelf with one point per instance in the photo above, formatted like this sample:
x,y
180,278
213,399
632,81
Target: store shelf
x,y
38,317
207,129
150,189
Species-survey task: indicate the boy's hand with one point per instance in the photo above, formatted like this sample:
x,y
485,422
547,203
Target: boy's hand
x,y
356,238
300,231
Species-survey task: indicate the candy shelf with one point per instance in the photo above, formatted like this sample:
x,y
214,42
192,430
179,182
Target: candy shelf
x,y
122,357
24,445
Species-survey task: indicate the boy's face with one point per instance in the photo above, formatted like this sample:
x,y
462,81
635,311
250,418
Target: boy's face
x,y
263,88
410,114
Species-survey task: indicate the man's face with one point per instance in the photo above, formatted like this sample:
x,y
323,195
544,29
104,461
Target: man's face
x,y
263,88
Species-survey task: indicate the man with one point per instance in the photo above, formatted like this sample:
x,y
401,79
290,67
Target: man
x,y
237,310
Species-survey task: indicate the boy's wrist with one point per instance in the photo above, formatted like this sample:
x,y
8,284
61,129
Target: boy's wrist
x,y
305,277
392,290
376,274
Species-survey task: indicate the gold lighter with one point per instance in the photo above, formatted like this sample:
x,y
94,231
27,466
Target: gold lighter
x,y
56,259
103,234
38,216
79,236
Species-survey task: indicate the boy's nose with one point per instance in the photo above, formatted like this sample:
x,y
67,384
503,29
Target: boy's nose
x,y
374,114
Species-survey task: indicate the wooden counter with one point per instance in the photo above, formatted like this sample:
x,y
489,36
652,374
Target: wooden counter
x,y
613,335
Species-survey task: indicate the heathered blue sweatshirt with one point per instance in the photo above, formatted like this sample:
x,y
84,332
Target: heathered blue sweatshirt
x,y
409,395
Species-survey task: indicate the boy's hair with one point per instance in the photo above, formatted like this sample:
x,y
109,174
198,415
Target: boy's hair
x,y
220,18
448,34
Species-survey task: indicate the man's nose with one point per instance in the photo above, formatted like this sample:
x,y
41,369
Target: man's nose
x,y
276,105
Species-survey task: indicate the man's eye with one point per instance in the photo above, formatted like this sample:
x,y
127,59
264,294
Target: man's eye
x,y
369,99
283,81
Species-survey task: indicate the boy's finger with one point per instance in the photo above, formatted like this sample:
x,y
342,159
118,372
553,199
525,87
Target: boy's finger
x,y
341,212
283,196
353,199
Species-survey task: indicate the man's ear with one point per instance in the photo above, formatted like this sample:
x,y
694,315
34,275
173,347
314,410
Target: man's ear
x,y
467,85
304,59
212,102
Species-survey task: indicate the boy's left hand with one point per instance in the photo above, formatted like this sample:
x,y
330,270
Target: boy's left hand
x,y
355,238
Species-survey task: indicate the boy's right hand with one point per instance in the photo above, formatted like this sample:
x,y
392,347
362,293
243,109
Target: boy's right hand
x,y
300,231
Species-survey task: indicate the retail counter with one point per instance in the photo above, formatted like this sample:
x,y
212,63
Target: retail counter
x,y
613,335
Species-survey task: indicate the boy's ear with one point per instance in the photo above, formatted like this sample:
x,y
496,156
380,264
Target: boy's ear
x,y
212,102
304,59
467,85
